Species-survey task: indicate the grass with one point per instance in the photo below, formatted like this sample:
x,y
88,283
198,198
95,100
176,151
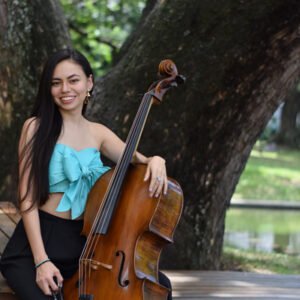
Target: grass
x,y
241,260
271,176
267,176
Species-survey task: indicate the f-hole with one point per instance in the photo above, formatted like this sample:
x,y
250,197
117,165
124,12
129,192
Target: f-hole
x,y
122,283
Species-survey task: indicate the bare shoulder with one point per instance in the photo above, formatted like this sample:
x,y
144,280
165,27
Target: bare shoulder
x,y
29,128
99,127
100,131
30,122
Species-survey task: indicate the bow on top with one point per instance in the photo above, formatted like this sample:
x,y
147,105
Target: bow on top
x,y
74,173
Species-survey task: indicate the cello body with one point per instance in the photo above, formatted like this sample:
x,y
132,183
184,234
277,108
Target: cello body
x,y
125,261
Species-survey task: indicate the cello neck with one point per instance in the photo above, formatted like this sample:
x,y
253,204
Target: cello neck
x,y
132,141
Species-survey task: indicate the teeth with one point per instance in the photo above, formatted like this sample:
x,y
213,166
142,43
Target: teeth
x,y
67,98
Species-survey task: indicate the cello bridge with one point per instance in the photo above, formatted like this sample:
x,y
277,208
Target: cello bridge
x,y
94,264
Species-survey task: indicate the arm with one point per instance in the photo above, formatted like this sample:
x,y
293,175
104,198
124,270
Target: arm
x,y
112,147
30,217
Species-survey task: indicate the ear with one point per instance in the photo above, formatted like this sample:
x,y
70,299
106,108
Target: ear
x,y
90,82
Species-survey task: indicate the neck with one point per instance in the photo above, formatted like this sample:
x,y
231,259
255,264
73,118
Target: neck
x,y
72,118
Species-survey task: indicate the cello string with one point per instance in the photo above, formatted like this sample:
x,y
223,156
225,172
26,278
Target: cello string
x,y
110,189
87,251
89,246
101,212
95,240
130,147
119,174
126,158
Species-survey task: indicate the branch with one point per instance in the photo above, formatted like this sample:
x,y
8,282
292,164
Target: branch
x,y
98,39
150,5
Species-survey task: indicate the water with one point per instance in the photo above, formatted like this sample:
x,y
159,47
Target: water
x,y
263,230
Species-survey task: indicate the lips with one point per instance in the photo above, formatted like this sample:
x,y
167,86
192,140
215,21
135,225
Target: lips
x,y
67,99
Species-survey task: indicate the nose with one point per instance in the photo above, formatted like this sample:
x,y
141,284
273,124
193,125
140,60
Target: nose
x,y
65,87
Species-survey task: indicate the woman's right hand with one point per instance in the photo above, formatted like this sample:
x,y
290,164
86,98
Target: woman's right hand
x,y
45,278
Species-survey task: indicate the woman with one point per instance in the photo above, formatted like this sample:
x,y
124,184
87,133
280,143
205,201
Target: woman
x,y
59,161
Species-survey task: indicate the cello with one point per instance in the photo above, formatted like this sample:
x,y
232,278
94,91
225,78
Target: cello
x,y
126,229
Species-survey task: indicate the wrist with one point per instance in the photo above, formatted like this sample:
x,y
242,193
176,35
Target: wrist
x,y
39,258
42,262
139,158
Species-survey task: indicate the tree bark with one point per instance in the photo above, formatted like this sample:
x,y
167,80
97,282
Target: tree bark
x,y
29,32
240,59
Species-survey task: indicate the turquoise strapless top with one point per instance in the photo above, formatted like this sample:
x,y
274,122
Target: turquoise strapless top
x,y
74,173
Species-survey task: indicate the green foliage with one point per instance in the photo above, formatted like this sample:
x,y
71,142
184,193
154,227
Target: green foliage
x,y
271,176
99,27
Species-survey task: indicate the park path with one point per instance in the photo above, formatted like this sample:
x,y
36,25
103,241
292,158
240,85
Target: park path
x,y
191,285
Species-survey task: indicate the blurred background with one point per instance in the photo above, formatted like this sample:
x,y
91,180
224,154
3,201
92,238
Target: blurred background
x,y
230,135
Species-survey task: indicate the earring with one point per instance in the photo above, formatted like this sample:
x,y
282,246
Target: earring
x,y
87,98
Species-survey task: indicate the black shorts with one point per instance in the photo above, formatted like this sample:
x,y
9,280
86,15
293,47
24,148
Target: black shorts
x,y
63,244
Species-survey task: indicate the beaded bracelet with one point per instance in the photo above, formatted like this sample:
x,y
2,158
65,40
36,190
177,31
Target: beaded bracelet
x,y
42,262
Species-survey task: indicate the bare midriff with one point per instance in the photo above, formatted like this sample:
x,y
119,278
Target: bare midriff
x,y
51,205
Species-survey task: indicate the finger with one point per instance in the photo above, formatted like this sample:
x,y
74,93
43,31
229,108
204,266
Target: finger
x,y
59,279
152,187
147,174
166,185
159,184
53,285
159,188
44,286
155,183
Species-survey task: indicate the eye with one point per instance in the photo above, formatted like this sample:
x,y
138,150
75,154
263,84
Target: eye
x,y
74,80
55,83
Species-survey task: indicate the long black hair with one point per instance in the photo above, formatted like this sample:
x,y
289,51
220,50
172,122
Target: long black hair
x,y
37,152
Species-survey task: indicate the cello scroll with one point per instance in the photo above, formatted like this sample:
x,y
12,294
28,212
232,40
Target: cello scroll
x,y
167,70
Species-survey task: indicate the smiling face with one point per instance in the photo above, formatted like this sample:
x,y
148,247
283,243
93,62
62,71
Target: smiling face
x,y
70,85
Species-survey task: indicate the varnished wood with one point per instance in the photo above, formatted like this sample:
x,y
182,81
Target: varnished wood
x,y
9,209
136,234
9,216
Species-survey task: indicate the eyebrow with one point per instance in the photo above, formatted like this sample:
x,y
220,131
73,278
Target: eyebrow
x,y
69,77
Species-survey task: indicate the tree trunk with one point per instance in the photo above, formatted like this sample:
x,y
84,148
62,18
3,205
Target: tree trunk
x,y
240,59
289,134
29,32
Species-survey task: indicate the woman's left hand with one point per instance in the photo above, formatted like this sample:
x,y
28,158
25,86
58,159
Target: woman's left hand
x,y
156,170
